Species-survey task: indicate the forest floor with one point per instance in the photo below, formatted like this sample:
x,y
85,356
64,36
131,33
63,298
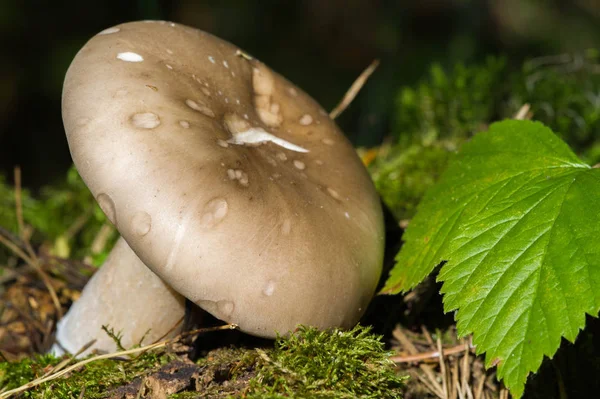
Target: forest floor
x,y
212,362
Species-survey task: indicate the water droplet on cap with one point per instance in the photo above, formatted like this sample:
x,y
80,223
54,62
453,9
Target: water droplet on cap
x,y
225,308
306,120
141,223
299,164
130,57
109,31
145,120
108,207
197,106
286,227
269,288
333,193
214,212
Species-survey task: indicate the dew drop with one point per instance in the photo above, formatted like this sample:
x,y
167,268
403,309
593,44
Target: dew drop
x,y
225,64
184,124
319,162
130,57
168,66
271,161
327,141
214,212
281,156
225,308
221,309
333,193
145,120
211,59
231,174
306,120
293,92
205,91
141,223
269,288
286,227
109,31
222,143
299,164
108,207
82,121
169,51
200,108
347,215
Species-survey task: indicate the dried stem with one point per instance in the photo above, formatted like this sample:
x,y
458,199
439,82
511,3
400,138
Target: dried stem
x,y
31,258
353,90
523,113
430,355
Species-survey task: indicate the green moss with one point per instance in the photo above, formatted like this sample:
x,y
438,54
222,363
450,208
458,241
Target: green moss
x,y
402,176
446,108
55,214
307,364
96,377
333,364
564,93
449,105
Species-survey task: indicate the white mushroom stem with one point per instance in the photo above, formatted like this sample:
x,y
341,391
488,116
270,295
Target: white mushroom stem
x,y
125,296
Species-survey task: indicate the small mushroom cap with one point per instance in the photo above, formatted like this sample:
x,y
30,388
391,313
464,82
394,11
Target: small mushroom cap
x,y
228,181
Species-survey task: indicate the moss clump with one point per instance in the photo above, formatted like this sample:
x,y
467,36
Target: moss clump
x,y
307,364
404,174
332,364
449,105
65,217
446,108
96,378
564,93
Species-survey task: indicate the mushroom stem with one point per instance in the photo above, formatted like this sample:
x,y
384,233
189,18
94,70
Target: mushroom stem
x,y
123,295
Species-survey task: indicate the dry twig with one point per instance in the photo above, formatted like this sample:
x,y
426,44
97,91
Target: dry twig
x,y
523,113
353,90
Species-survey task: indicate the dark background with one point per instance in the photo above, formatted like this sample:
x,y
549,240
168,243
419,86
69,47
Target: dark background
x,y
321,45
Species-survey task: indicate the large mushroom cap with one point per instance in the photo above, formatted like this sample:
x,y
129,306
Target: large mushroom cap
x,y
228,181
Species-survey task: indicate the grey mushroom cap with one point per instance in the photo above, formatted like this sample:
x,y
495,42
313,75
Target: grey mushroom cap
x,y
228,181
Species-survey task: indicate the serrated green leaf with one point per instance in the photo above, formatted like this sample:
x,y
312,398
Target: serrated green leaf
x,y
516,217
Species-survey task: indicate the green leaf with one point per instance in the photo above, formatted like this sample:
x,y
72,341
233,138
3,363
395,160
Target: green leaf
x,y
516,218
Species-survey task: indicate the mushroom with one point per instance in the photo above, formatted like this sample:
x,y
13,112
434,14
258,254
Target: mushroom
x,y
229,182
123,295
